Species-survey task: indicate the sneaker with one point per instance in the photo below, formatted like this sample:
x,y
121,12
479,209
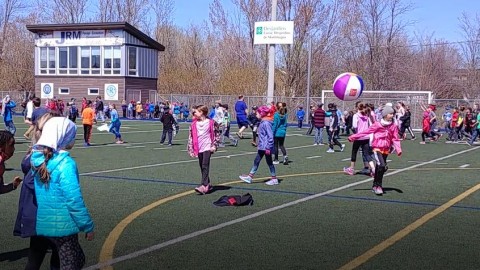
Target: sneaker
x,y
202,190
330,150
365,171
285,160
85,144
378,190
422,142
321,144
246,178
272,182
470,143
343,148
162,143
235,143
413,139
275,162
169,144
348,170
254,144
315,144
119,142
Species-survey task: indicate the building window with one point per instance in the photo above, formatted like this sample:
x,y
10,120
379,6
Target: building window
x,y
85,60
111,60
63,91
47,60
93,91
132,61
72,60
95,60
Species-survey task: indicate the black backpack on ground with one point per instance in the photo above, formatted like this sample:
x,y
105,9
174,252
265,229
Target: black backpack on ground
x,y
234,200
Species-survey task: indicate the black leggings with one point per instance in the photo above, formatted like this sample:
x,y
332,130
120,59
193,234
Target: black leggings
x,y
279,143
364,144
204,162
408,128
39,247
380,168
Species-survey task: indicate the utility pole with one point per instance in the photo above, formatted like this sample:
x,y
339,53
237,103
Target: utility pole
x,y
309,74
271,59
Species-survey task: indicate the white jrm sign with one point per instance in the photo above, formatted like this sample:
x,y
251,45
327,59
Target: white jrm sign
x,y
111,91
80,38
273,32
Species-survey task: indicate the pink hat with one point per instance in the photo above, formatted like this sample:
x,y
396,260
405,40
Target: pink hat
x,y
263,111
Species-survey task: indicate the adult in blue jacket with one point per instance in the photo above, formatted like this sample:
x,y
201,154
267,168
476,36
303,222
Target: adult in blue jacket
x,y
7,112
61,213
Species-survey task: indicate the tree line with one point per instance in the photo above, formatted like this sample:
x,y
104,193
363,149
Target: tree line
x,y
217,56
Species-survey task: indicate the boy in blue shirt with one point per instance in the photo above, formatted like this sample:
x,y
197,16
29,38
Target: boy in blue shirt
x,y
300,116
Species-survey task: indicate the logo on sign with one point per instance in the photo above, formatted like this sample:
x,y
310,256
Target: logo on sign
x,y
47,89
353,92
259,30
111,90
69,35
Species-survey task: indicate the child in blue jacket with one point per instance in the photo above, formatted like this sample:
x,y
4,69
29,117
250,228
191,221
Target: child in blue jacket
x,y
61,212
265,146
300,116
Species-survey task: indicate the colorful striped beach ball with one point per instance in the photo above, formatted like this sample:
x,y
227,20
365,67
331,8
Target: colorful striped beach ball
x,y
348,86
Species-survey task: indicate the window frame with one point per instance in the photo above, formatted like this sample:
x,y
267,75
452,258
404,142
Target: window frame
x,y
63,88
131,70
93,94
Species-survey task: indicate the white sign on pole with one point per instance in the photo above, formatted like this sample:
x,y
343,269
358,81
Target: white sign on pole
x,y
46,90
273,32
111,91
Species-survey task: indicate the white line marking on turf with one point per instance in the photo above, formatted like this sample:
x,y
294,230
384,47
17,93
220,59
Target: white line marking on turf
x,y
178,162
138,146
464,165
313,157
345,159
257,214
416,161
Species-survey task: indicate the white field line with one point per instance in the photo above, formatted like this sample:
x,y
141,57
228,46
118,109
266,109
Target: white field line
x,y
178,162
138,146
257,214
464,166
313,157
416,161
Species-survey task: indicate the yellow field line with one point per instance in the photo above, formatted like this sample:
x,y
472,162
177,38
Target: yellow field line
x,y
407,230
109,245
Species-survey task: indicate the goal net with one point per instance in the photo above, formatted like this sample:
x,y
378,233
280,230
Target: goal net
x,y
413,99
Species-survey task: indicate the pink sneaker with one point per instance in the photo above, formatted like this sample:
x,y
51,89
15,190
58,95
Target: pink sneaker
x,y
349,170
202,190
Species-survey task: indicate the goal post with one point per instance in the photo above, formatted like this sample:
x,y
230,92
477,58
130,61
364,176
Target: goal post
x,y
413,99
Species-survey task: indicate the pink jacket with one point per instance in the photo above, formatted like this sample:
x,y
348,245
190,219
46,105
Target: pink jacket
x,y
192,146
361,123
384,137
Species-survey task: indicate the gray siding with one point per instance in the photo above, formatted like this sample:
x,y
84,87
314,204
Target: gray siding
x,y
129,39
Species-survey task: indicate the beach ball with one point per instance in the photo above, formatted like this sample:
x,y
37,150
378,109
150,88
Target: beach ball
x,y
348,86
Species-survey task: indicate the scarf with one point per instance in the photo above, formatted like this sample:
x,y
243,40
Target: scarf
x,y
58,132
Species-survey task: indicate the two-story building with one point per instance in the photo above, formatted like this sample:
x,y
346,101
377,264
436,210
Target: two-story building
x,y
114,60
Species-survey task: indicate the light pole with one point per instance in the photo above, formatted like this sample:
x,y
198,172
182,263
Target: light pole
x,y
271,59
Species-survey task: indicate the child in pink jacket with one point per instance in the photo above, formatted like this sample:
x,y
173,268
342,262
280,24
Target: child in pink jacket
x,y
385,140
203,140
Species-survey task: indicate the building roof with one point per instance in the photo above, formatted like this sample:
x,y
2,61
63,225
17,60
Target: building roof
x,y
98,26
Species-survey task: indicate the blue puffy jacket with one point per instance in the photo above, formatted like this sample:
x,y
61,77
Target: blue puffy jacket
x,y
61,209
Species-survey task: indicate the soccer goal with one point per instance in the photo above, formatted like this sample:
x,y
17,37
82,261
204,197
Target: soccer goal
x,y
413,99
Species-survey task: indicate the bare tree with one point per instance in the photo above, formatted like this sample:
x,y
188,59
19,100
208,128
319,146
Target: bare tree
x,y
64,11
470,49
8,9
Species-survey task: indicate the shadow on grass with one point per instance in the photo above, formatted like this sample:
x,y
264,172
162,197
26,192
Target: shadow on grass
x,y
12,256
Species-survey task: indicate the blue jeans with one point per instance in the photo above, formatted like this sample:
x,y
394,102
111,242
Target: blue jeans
x,y
268,159
115,129
10,127
319,135
474,136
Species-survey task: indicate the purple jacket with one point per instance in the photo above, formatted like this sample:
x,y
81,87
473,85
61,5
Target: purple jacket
x,y
27,204
265,135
